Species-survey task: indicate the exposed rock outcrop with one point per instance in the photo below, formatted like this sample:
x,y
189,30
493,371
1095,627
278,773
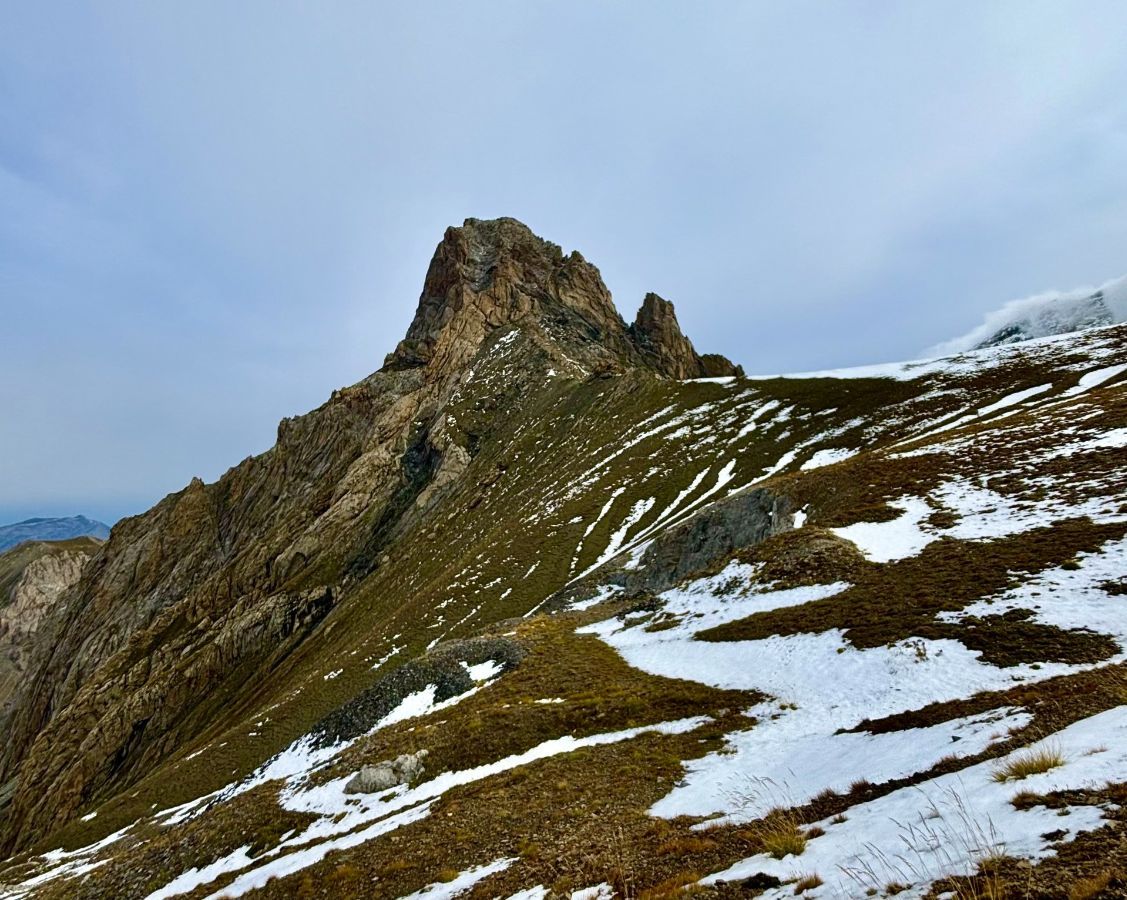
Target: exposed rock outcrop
x,y
709,537
406,768
659,339
445,669
492,274
33,575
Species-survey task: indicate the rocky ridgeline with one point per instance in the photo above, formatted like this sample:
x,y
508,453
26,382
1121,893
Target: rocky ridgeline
x,y
221,581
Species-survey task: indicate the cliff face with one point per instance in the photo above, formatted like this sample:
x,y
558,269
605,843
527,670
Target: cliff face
x,y
224,580
33,576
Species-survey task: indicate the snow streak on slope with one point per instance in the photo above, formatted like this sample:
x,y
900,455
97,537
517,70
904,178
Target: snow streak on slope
x,y
346,821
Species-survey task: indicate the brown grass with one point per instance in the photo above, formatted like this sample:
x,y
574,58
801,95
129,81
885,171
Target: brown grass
x,y
1025,799
780,834
675,886
944,577
1033,761
1093,886
571,803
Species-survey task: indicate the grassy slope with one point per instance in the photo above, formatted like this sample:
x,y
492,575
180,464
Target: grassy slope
x,y
532,493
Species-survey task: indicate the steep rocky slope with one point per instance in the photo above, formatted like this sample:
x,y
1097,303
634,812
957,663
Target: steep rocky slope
x,y
651,631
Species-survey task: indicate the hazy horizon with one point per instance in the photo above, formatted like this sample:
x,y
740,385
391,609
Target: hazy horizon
x,y
218,215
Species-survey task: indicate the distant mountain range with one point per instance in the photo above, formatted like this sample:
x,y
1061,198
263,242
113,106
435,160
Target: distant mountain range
x,y
51,530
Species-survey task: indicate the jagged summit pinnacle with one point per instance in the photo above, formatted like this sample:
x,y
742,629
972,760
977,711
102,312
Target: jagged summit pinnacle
x,y
489,274
663,345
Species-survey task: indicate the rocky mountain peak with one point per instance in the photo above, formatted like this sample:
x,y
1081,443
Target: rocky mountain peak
x,y
489,274
492,273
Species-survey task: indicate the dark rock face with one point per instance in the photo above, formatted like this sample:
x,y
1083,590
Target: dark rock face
x,y
443,668
710,537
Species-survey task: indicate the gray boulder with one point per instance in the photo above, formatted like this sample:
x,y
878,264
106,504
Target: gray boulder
x,y
709,538
404,769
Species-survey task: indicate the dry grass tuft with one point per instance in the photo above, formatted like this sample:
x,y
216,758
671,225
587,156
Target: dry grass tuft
x,y
1091,887
1025,799
779,833
1032,761
679,885
806,883
682,846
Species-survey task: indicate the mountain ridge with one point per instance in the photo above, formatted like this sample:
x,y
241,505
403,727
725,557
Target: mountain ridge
x,y
588,589
270,547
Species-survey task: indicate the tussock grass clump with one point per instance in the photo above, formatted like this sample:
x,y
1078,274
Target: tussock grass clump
x,y
1026,800
678,886
1093,886
780,834
1032,761
806,883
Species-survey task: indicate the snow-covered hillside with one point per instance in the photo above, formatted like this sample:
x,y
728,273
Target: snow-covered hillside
x,y
1046,314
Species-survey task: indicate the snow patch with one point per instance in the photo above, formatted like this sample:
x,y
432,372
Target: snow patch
x,y
827,458
444,890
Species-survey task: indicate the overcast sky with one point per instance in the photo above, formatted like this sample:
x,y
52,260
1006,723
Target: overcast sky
x,y
215,213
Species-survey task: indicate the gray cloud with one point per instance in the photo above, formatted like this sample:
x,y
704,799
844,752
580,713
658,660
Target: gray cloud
x,y
217,213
